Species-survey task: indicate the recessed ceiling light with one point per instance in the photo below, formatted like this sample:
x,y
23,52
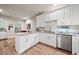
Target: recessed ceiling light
x,y
55,4
1,10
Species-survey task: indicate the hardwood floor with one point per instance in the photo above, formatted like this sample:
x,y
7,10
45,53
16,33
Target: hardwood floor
x,y
7,48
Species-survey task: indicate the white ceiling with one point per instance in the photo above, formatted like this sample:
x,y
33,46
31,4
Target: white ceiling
x,y
26,10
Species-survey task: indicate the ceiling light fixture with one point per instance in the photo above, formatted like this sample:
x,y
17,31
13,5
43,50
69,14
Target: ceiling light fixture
x,y
1,10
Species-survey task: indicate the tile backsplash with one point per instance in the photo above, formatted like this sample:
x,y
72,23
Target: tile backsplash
x,y
70,29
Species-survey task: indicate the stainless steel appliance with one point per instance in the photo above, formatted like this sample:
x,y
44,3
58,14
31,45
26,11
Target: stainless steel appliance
x,y
64,42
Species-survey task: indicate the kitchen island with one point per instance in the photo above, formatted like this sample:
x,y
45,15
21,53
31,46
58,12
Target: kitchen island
x,y
24,41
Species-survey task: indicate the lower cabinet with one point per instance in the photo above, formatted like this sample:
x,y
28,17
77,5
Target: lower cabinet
x,y
49,39
75,45
25,42
52,40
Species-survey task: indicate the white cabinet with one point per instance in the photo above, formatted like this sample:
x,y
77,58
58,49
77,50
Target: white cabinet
x,y
67,16
49,39
43,37
33,39
75,15
24,42
21,43
75,45
51,16
64,16
60,19
40,21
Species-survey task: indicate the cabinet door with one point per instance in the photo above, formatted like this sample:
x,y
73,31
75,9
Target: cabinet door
x,y
67,16
43,37
33,39
43,23
51,40
75,15
38,18
51,16
36,39
75,44
40,21
24,43
60,19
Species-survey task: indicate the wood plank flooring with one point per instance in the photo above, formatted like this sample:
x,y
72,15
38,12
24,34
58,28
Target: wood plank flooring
x,y
7,47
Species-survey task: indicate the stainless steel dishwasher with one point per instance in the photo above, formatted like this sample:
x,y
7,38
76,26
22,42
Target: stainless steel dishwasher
x,y
64,42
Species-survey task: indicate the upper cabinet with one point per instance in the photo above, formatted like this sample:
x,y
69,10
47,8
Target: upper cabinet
x,y
67,16
40,21
60,17
75,15
64,16
51,16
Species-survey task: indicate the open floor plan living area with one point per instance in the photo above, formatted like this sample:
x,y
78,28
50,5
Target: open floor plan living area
x,y
39,29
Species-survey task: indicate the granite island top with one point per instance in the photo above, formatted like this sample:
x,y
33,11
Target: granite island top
x,y
28,33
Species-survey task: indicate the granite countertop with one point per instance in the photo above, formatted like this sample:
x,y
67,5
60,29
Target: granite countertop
x,y
73,34
27,33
